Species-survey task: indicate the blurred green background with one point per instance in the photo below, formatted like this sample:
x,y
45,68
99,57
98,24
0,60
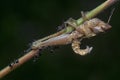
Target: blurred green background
x,y
23,21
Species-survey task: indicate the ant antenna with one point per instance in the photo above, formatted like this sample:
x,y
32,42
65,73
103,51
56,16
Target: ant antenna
x,y
111,15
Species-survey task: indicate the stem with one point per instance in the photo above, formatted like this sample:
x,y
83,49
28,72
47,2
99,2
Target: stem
x,y
32,53
21,60
93,13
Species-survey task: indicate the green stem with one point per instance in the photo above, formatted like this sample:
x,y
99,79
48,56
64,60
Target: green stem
x,y
93,13
89,15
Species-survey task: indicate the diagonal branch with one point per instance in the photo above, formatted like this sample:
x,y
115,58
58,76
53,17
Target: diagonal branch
x,y
68,29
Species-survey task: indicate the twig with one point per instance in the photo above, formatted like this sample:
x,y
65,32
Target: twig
x,y
22,60
68,29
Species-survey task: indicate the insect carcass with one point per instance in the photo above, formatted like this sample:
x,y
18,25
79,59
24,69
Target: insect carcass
x,y
88,29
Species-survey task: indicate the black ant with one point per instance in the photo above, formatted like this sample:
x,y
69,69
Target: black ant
x,y
13,63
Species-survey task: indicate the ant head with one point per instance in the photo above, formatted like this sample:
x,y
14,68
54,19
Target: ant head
x,y
102,28
99,26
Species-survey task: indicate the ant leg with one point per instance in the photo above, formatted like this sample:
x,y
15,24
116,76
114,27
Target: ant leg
x,y
77,50
71,22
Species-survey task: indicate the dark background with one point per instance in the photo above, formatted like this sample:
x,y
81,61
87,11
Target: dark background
x,y
23,21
